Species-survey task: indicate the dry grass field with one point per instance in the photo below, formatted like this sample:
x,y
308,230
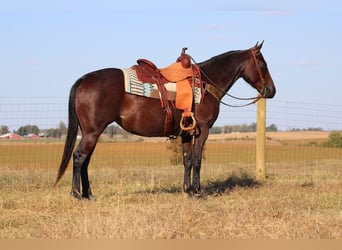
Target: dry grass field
x,y
139,192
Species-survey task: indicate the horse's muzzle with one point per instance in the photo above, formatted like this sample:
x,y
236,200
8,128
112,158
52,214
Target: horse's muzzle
x,y
269,92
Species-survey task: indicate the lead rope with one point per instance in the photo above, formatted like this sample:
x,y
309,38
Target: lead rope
x,y
255,99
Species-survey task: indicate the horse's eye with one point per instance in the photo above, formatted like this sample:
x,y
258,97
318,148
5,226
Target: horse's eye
x,y
262,66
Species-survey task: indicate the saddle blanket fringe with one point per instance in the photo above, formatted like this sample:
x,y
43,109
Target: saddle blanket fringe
x,y
136,87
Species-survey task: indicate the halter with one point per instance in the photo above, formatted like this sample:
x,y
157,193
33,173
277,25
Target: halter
x,y
219,93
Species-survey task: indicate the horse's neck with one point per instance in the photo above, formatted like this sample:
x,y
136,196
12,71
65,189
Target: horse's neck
x,y
224,70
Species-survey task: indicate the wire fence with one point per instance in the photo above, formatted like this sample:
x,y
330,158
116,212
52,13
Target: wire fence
x,y
286,115
304,127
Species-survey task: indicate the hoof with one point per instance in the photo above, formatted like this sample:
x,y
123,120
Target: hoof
x,y
197,193
200,195
187,189
76,195
90,197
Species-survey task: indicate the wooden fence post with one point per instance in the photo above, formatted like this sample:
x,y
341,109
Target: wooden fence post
x,y
261,141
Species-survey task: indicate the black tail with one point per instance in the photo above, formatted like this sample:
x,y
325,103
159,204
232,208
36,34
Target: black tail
x,y
72,133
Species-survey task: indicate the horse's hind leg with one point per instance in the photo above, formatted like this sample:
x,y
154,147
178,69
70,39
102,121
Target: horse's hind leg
x,y
81,158
86,191
76,174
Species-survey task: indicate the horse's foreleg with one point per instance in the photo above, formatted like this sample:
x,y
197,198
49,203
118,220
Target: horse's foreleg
x,y
187,174
187,162
86,191
196,182
197,160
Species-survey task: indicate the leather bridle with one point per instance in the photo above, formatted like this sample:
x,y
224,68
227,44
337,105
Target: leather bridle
x,y
262,79
218,93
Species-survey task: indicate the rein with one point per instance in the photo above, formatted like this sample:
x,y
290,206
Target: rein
x,y
218,93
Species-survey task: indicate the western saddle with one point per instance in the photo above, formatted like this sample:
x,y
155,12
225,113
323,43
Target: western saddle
x,y
180,71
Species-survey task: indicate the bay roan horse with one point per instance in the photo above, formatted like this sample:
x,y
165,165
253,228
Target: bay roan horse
x,y
99,98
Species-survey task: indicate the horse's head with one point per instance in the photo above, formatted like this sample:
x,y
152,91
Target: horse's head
x,y
256,73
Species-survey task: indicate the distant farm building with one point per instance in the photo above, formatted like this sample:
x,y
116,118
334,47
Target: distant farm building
x,y
11,136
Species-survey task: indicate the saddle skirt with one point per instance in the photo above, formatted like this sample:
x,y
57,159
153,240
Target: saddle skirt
x,y
135,86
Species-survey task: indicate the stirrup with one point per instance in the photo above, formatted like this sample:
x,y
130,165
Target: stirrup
x,y
192,124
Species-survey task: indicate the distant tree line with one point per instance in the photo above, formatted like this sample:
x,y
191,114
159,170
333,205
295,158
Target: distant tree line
x,y
113,130
240,128
4,129
28,129
34,129
306,129
58,132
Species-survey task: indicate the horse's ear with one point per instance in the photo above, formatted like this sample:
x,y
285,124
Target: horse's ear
x,y
258,46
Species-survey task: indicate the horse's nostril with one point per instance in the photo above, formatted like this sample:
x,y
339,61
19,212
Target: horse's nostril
x,y
270,92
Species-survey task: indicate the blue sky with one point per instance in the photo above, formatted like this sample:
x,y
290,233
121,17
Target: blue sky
x,y
46,45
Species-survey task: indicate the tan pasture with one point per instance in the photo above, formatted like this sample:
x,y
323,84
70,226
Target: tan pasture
x,y
139,192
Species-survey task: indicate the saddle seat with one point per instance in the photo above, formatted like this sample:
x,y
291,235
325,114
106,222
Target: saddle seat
x,y
147,71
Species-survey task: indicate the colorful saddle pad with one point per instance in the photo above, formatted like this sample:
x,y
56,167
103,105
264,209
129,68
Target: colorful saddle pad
x,y
134,86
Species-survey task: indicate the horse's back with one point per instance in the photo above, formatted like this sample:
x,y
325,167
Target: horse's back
x,y
104,76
